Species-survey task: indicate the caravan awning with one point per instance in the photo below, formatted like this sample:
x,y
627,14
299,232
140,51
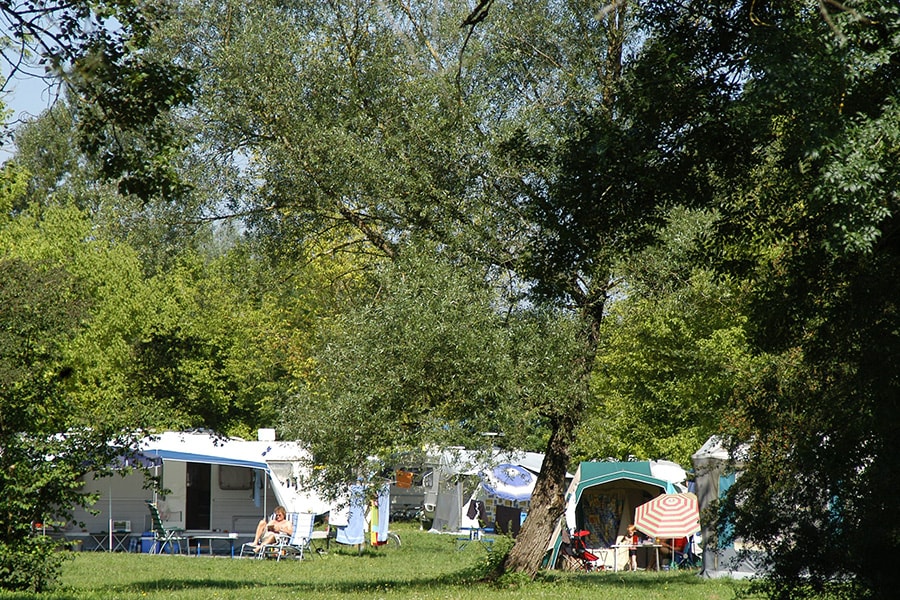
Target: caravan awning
x,y
206,458
209,449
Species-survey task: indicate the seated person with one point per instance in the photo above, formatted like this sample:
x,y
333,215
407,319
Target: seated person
x,y
266,531
668,548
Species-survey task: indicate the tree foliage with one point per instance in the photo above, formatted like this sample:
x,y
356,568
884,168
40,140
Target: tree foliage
x,y
46,441
97,50
786,115
385,125
463,180
671,352
432,359
84,371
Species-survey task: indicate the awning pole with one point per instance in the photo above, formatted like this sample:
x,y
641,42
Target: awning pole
x,y
110,520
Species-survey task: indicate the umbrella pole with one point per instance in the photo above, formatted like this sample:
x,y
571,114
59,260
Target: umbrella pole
x,y
110,520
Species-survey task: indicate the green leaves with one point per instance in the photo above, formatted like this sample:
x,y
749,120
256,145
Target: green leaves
x,y
42,308
798,155
859,182
672,349
121,92
431,360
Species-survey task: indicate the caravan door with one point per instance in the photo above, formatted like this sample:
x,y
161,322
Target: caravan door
x,y
198,478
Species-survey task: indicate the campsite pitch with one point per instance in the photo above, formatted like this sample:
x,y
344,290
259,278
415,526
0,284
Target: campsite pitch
x,y
427,566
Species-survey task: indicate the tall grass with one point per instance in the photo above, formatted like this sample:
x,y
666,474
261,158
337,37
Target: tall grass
x,y
426,566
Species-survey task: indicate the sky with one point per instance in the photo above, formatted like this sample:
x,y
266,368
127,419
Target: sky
x,y
27,97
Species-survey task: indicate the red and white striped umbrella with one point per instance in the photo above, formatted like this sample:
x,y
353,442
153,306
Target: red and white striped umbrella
x,y
669,516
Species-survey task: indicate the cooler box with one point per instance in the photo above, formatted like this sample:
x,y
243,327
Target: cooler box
x,y
147,542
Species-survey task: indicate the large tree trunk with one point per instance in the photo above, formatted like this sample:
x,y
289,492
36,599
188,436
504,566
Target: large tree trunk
x,y
547,503
548,499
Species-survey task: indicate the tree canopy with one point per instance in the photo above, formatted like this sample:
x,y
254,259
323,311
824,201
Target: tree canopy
x,y
543,218
96,54
786,114
671,351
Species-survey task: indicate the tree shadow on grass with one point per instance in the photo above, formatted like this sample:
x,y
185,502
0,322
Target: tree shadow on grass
x,y
466,577
644,580
295,587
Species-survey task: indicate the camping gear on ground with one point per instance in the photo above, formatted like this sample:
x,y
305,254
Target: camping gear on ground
x,y
669,517
454,476
285,545
299,540
251,548
500,500
576,556
684,556
293,545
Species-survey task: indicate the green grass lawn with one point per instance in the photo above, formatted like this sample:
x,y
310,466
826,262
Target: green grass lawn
x,y
427,566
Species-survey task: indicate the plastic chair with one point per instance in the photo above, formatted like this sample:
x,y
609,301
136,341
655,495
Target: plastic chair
x,y
163,536
260,551
298,542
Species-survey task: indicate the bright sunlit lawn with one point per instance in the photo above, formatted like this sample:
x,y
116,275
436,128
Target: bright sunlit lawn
x,y
426,566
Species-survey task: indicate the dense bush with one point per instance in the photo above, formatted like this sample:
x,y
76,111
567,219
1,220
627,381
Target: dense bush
x,y
29,562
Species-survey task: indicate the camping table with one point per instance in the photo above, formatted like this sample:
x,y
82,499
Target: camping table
x,y
101,540
120,541
229,537
616,547
474,534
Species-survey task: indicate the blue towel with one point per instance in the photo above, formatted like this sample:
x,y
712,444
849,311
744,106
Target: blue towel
x,y
355,531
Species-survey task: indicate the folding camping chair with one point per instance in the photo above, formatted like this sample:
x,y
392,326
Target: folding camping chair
x,y
320,541
298,542
163,536
684,557
576,556
266,550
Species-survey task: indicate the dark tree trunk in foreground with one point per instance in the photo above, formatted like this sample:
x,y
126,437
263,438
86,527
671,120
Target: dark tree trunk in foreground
x,y
547,503
548,499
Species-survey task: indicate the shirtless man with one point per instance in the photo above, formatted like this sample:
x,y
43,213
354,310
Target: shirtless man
x,y
267,530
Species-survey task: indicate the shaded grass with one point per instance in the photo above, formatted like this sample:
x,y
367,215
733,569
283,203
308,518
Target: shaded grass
x,y
426,567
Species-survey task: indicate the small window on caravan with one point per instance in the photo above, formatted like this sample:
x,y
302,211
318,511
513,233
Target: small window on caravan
x,y
235,478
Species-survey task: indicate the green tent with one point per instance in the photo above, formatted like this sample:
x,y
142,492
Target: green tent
x,y
601,499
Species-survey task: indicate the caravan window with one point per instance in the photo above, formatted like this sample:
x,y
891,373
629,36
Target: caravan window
x,y
235,478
